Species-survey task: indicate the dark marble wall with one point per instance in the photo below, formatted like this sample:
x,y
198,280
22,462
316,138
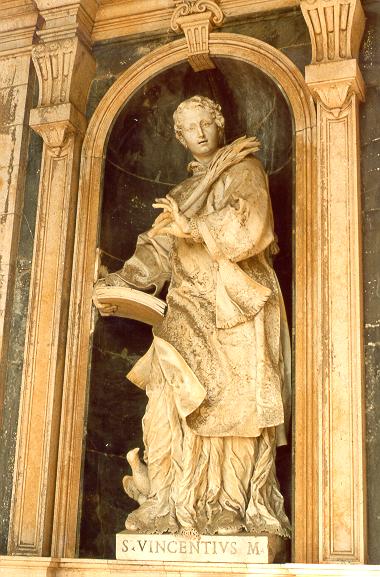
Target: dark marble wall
x,y
17,329
370,163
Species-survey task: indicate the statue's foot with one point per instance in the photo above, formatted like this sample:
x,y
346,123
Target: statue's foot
x,y
146,520
130,526
190,533
229,523
230,529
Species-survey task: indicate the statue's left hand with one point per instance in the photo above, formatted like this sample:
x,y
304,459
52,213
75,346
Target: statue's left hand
x,y
171,220
105,309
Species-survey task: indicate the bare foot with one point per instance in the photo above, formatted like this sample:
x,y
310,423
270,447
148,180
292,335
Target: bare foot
x,y
190,533
230,529
131,526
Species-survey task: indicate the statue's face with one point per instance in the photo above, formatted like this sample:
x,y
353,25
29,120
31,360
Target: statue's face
x,y
200,133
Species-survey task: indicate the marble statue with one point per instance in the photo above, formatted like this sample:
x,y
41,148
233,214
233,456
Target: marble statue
x,y
217,373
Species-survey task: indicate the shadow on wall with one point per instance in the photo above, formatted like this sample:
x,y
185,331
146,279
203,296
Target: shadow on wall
x,y
144,161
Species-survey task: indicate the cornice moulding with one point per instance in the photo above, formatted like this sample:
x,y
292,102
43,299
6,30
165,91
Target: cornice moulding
x,y
18,23
11,8
130,17
64,21
61,113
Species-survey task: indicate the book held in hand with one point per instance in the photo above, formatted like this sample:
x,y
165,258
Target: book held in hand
x,y
132,303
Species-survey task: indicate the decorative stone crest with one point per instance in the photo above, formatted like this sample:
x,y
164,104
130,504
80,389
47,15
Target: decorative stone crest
x,y
186,7
196,19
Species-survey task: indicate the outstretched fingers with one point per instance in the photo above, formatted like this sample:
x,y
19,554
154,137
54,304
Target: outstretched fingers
x,y
163,216
168,204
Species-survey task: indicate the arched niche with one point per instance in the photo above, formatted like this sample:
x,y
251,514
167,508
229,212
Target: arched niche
x,y
285,75
144,161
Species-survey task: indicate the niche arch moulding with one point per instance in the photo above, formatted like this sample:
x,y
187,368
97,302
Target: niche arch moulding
x,y
285,75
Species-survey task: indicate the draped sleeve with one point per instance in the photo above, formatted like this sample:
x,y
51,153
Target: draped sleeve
x,y
149,267
241,225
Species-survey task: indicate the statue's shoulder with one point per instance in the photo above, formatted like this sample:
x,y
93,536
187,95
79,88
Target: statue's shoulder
x,y
250,163
182,188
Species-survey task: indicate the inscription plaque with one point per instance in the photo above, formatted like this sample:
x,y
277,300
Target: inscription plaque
x,y
215,549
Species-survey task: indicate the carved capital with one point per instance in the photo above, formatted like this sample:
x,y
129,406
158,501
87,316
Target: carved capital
x,y
57,136
333,83
336,28
334,96
196,18
57,125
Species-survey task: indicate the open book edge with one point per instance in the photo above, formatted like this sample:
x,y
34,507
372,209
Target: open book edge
x,y
132,303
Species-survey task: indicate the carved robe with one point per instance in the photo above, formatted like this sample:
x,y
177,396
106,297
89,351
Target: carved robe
x,y
217,373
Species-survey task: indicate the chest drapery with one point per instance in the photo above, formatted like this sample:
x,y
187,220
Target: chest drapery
x,y
225,319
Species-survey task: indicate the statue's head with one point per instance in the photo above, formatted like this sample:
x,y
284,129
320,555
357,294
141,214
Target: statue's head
x,y
199,126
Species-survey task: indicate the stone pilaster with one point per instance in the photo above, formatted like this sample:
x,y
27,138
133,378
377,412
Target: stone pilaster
x,y
18,24
64,68
336,28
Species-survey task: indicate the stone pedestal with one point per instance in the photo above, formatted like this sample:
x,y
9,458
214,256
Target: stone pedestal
x,y
214,549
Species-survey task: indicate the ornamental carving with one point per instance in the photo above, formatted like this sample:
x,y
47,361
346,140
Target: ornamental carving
x,y
196,18
334,97
54,65
335,27
57,136
187,7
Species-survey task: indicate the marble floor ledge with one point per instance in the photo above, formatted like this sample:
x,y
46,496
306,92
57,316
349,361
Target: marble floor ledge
x,y
19,566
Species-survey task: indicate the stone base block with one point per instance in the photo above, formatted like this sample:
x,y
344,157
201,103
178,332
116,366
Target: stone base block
x,y
215,549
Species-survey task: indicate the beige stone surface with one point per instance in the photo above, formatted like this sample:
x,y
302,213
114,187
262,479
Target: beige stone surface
x,y
32,502
329,497
52,567
336,28
19,22
209,549
15,70
131,17
336,83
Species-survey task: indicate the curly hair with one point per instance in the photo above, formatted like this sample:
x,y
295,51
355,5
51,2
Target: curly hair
x,y
199,102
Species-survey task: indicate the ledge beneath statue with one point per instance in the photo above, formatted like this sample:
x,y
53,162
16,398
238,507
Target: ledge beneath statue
x,y
217,549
